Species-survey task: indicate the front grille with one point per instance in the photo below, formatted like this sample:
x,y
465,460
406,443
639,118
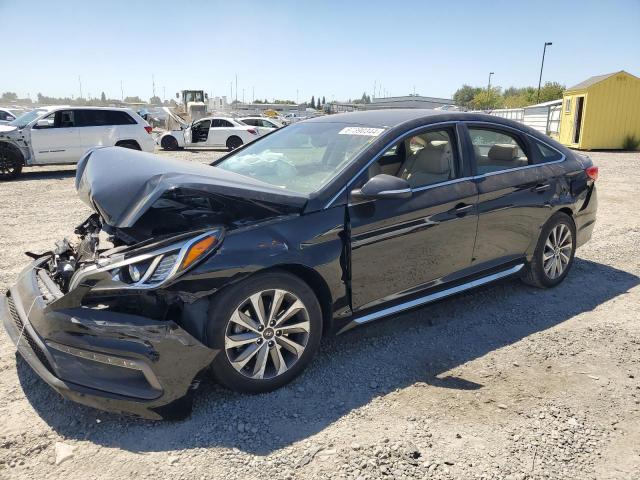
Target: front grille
x,y
25,334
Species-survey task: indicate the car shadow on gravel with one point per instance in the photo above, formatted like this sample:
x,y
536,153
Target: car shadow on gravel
x,y
418,347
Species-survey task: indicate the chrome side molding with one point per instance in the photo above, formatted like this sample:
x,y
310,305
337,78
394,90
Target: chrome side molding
x,y
431,297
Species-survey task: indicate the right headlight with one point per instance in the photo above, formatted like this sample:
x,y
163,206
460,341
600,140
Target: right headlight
x,y
155,268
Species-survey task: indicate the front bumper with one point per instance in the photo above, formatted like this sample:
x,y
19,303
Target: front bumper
x,y
100,358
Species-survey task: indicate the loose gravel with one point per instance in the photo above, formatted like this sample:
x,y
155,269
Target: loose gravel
x,y
506,382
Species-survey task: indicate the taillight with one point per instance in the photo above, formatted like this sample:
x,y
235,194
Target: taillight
x,y
148,128
252,130
592,172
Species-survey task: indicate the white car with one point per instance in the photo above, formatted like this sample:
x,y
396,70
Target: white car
x,y
263,125
62,134
8,115
224,132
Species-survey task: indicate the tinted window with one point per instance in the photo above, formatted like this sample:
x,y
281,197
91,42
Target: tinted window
x,y
218,122
496,150
6,116
60,119
100,118
250,121
421,160
547,154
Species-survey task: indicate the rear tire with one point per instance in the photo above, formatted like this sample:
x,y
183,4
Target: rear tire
x,y
11,162
169,143
234,142
554,252
263,355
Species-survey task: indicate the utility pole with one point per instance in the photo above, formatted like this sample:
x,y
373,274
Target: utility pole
x,y
121,91
230,92
489,84
164,95
297,102
374,88
544,50
236,88
80,83
153,84
253,94
243,95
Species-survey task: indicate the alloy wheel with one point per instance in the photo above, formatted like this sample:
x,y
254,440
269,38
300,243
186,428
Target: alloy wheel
x,y
557,251
267,334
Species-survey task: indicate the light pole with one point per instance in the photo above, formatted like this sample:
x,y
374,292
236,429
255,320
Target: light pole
x,y
489,84
544,50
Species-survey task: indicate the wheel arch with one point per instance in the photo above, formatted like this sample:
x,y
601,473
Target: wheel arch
x,y
128,140
317,284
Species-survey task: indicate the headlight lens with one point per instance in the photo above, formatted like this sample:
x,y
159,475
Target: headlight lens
x,y
153,270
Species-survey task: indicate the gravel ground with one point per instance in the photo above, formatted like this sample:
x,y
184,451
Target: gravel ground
x,y
504,382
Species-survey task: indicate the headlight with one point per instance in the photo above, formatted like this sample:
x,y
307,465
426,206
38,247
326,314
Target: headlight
x,y
152,269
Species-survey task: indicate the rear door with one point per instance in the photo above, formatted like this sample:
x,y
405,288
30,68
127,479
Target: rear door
x,y
96,128
510,189
219,132
58,141
402,246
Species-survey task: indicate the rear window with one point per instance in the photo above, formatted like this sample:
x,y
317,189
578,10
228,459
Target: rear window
x,y
99,118
547,154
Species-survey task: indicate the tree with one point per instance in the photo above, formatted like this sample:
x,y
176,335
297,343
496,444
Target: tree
x,y
156,100
487,99
318,104
551,91
323,102
103,98
464,95
313,101
135,99
9,96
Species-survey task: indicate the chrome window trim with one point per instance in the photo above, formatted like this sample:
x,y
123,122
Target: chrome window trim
x,y
455,180
383,150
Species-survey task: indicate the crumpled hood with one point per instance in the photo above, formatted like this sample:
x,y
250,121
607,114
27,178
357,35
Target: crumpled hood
x,y
122,184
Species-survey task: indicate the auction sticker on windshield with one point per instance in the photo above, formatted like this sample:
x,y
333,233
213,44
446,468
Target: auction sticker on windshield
x,y
368,132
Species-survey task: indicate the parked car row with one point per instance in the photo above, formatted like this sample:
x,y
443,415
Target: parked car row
x,y
62,134
219,132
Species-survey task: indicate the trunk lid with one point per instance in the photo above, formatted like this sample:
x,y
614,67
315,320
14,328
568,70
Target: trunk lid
x,y
145,195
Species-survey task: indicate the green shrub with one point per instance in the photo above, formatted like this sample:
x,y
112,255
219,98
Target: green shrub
x,y
631,143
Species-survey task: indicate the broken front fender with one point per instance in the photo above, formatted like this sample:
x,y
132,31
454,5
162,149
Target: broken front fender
x,y
105,359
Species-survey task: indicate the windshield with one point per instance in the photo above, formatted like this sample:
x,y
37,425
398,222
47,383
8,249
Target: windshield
x,y
302,157
24,120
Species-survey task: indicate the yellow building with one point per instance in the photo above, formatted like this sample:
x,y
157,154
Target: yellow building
x,y
601,112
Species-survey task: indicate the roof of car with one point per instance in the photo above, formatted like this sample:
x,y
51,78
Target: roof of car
x,y
394,117
382,118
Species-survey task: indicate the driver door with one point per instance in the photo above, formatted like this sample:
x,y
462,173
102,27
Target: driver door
x,y
402,246
58,141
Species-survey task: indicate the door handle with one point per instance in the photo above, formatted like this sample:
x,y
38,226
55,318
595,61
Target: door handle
x,y
461,209
541,187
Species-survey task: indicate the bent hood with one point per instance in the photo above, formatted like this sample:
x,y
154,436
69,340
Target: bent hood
x,y
123,184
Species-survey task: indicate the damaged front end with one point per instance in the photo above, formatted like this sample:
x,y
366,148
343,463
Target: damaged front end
x,y
98,326
108,319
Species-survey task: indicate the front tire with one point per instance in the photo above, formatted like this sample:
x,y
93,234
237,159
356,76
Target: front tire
x,y
169,143
267,328
554,252
11,162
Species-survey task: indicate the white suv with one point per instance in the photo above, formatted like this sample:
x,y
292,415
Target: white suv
x,y
61,135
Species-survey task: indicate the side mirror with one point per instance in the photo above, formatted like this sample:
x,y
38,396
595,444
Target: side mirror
x,y
383,186
43,124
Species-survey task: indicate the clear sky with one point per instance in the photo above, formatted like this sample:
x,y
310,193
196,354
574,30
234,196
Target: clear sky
x,y
336,49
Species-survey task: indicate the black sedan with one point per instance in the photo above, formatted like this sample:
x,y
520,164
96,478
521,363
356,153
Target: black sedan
x,y
238,269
